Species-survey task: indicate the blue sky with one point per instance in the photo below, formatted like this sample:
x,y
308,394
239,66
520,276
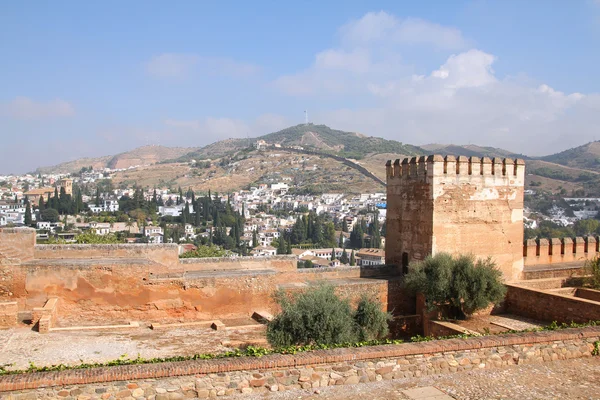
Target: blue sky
x,y
88,79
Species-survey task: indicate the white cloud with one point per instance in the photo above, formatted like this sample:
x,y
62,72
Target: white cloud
x,y
461,101
171,65
369,48
470,69
381,27
182,65
26,108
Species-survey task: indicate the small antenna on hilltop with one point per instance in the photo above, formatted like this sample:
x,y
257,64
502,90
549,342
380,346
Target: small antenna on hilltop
x,y
305,117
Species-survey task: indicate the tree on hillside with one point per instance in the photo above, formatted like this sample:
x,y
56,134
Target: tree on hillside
x,y
352,259
333,258
461,282
49,215
344,258
28,218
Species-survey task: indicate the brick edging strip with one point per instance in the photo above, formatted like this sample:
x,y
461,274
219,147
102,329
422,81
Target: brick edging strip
x,y
275,361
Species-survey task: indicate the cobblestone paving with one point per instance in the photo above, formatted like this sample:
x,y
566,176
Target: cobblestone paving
x,y
571,379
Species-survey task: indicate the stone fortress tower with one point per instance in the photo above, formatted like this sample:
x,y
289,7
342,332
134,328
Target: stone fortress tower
x,y
67,184
456,205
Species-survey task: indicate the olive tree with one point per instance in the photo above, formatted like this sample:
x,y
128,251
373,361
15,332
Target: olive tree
x,y
462,282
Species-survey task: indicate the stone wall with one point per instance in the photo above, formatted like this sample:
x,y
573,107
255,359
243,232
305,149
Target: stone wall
x,y
140,289
457,205
16,244
545,306
165,254
8,314
589,294
566,250
211,378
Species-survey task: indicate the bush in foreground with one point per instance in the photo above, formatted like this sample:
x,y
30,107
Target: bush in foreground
x,y
592,269
462,282
318,316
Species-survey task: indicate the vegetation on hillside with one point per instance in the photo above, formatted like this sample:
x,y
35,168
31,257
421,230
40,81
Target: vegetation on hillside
x,y
345,144
586,157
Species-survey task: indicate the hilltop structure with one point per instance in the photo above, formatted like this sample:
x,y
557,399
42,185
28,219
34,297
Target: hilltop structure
x,y
456,205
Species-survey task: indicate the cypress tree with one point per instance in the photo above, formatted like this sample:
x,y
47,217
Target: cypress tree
x,y
332,254
281,248
55,201
254,238
42,205
341,240
352,259
28,220
344,258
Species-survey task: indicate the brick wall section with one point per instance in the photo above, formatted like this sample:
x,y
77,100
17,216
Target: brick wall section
x,y
333,367
589,294
165,254
456,205
8,314
566,250
16,244
547,306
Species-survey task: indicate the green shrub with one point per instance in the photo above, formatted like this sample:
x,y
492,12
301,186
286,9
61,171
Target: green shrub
x,y
462,283
206,251
371,322
592,269
318,316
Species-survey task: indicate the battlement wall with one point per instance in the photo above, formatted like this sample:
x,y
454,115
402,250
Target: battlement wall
x,y
425,167
279,263
566,250
166,254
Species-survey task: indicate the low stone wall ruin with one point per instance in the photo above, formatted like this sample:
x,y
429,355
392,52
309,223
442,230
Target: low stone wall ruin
x,y
221,377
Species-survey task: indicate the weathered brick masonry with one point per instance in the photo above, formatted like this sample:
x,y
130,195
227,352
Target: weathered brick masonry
x,y
150,282
549,307
330,367
458,205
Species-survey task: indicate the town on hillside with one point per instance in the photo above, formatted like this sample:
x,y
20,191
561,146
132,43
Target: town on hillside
x,y
266,220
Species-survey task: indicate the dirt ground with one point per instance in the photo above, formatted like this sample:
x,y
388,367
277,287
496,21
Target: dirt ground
x,y
570,379
20,346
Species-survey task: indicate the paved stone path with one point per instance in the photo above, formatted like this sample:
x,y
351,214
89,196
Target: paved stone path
x,y
570,379
515,322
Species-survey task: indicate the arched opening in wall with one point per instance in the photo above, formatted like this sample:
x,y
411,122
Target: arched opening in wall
x,y
405,263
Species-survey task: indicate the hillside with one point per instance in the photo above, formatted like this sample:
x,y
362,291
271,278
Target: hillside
x,y
145,155
246,168
470,150
571,170
346,144
98,163
584,157
311,137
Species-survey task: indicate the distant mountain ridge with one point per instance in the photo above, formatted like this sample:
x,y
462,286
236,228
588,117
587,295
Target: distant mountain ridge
x,y
318,138
144,155
586,156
